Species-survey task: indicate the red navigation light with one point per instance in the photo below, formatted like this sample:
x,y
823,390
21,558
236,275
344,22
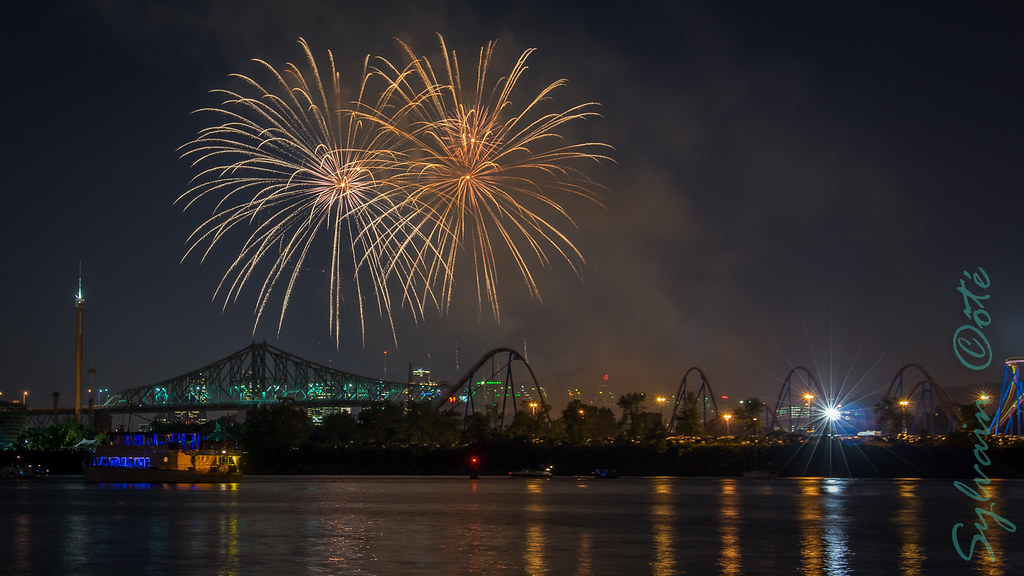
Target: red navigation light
x,y
605,376
724,397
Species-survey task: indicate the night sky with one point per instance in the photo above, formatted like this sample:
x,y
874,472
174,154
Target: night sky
x,y
798,184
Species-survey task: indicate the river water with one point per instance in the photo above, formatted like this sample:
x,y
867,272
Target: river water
x,y
452,526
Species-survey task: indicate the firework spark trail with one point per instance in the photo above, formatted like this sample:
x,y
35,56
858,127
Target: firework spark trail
x,y
482,172
400,184
292,163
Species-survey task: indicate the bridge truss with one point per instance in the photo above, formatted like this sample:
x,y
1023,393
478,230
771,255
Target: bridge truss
x,y
259,374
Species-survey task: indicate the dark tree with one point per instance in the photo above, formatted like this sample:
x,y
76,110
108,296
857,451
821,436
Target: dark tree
x,y
750,415
340,428
604,425
632,403
688,420
272,430
576,422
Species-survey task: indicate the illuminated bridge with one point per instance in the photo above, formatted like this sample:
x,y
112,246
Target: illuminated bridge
x,y
259,374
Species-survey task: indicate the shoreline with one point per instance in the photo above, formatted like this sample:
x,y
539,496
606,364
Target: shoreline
x,y
810,459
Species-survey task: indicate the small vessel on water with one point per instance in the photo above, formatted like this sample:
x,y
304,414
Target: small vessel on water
x,y
532,473
161,458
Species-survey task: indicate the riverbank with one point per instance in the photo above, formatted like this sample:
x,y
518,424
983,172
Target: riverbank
x,y
813,457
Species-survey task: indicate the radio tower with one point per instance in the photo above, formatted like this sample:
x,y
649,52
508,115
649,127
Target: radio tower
x,y
79,324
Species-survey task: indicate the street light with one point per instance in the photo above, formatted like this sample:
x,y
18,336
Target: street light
x,y
24,397
903,417
807,398
660,400
727,417
533,408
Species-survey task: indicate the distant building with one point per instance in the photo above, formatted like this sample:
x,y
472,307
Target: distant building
x,y
13,421
182,416
801,419
427,388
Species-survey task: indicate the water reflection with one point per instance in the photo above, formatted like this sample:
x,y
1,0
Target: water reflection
x,y
995,536
585,556
836,521
533,554
451,527
229,541
823,521
663,514
730,562
533,551
76,544
809,521
22,541
907,520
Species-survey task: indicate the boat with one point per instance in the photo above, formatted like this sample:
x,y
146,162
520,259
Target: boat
x,y
177,458
19,469
531,473
16,472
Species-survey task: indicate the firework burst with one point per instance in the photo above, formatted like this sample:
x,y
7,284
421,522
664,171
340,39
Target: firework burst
x,y
485,175
294,167
396,186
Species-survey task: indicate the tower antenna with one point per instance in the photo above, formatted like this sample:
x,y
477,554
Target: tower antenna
x,y
79,326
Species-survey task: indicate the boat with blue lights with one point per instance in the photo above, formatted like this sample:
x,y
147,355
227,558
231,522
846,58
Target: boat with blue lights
x,y
174,458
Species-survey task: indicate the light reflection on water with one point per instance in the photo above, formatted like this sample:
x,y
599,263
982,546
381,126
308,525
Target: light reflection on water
x,y
995,535
835,525
911,553
731,562
811,535
454,526
536,508
662,514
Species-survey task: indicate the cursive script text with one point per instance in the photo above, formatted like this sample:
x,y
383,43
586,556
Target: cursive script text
x,y
979,493
969,343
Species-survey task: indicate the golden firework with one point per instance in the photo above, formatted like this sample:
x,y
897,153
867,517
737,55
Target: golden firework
x,y
394,186
294,167
484,174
